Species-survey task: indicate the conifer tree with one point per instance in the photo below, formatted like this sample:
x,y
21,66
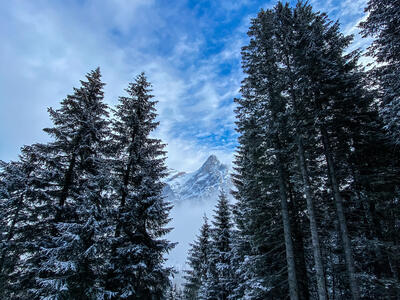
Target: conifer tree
x,y
219,283
174,293
383,24
16,200
258,242
198,261
71,259
262,97
331,78
27,203
138,249
298,78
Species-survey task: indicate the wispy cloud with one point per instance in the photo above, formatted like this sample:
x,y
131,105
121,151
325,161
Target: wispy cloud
x,y
190,50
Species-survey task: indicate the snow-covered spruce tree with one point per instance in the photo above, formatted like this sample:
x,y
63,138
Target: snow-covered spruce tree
x,y
343,111
324,73
13,180
374,207
383,24
315,99
16,193
72,260
278,81
265,97
241,246
25,205
288,43
198,261
219,282
259,241
137,268
174,293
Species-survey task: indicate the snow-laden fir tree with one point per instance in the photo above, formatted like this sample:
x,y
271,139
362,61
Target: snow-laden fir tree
x,y
16,202
342,110
72,260
383,25
258,243
263,101
305,120
26,206
219,282
138,248
317,69
13,178
174,293
198,262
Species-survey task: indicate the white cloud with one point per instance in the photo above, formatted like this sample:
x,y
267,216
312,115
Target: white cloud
x,y
47,48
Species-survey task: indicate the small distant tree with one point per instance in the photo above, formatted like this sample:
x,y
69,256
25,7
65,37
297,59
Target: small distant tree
x,y
174,293
219,283
198,261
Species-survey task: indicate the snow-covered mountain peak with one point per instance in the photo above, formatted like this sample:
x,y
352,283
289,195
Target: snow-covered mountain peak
x,y
211,162
202,184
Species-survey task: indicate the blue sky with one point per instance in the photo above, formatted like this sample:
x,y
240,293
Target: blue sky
x,y
190,51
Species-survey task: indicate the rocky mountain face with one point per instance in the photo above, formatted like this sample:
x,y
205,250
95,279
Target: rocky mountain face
x,y
202,185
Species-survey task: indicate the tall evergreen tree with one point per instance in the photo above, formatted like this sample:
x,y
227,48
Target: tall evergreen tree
x,y
17,200
383,24
380,193
72,260
138,249
27,211
347,120
304,118
258,242
323,67
263,97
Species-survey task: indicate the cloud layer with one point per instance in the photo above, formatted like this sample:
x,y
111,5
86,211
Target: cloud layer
x,y
190,51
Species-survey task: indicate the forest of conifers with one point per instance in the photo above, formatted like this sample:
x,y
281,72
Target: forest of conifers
x,y
316,174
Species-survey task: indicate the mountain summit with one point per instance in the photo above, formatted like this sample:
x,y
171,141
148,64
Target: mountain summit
x,y
202,184
211,162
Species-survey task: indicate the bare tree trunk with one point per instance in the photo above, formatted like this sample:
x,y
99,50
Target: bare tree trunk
x,y
341,217
298,246
313,222
124,194
291,265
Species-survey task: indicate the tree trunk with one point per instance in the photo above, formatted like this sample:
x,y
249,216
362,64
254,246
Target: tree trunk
x,y
67,184
298,245
313,222
293,287
124,194
341,217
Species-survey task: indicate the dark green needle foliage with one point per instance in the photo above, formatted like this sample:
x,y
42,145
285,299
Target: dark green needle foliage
x,y
138,247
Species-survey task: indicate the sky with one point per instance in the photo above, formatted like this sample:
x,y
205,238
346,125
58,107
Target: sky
x,y
190,51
